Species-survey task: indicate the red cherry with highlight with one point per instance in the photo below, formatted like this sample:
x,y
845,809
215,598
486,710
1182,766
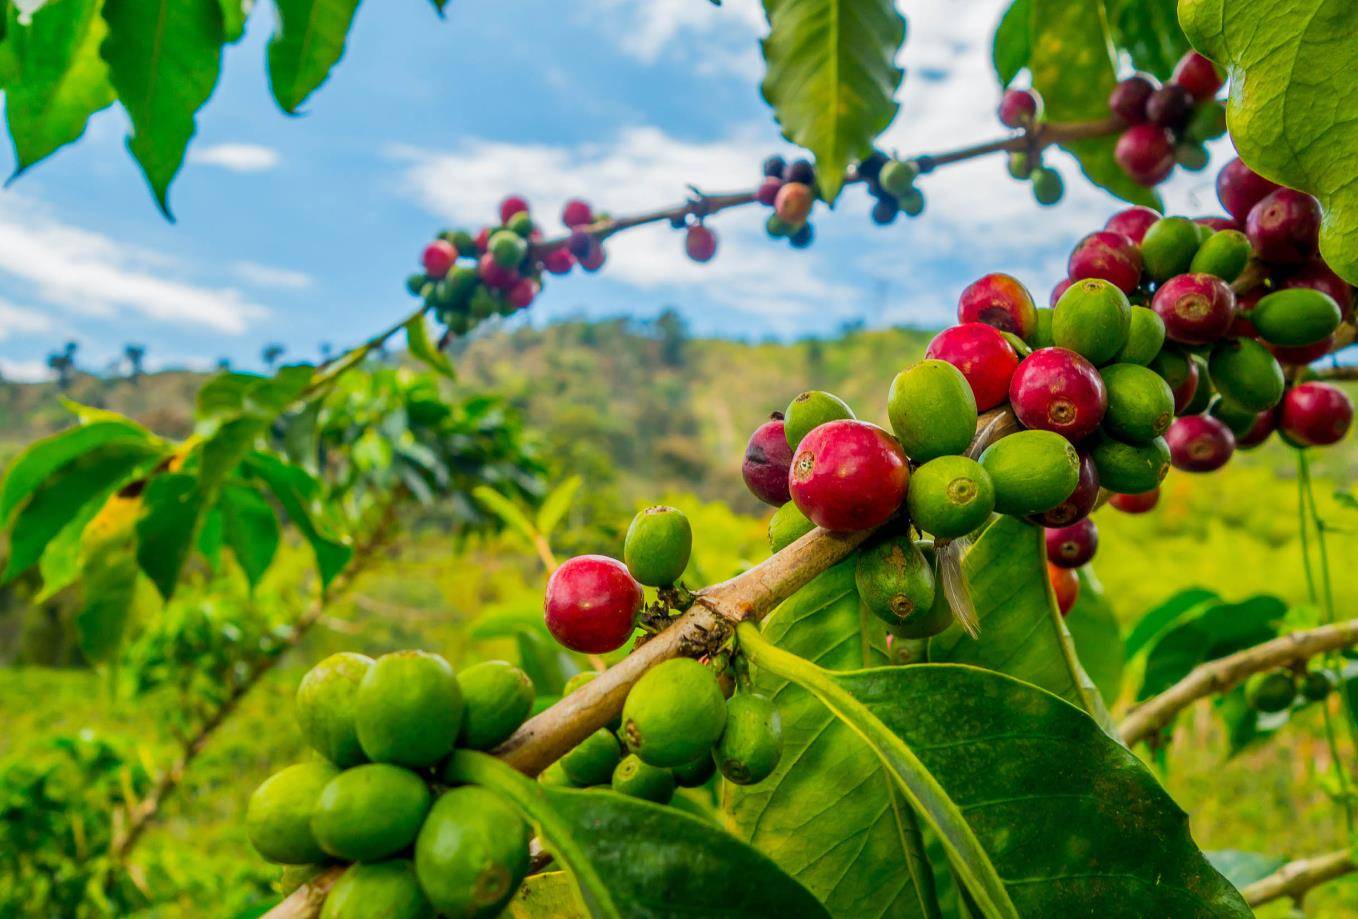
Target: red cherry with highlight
x,y
438,258
1001,301
1074,545
1315,414
1285,226
1107,255
1146,153
523,291
849,475
1197,308
1185,391
700,243
576,213
1198,75
558,260
1199,443
592,604
1058,390
1081,502
1136,504
984,356
1129,97
495,275
483,239
767,461
1065,585
1017,108
510,206
1240,188
1132,222
1264,423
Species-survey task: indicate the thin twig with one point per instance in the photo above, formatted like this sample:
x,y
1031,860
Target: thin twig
x,y
1296,878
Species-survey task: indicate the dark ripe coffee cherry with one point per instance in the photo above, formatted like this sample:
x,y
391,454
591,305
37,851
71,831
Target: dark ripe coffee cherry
x,y
885,211
800,171
767,461
801,237
767,193
1128,98
1018,107
558,261
1081,501
1170,107
1315,414
1258,432
1199,443
1065,586
774,167
1001,301
1132,222
1109,256
1146,153
1197,308
594,258
1317,275
849,475
1074,545
871,165
437,258
592,604
1301,355
983,355
1054,297
1284,226
576,213
1136,504
510,206
579,243
793,203
521,295
700,243
1198,75
494,275
1058,390
1240,188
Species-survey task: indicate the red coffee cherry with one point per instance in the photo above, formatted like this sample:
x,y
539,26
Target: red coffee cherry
x,y
1170,107
576,213
767,460
1107,255
998,300
1136,504
1132,222
1128,99
494,275
592,604
1066,587
1301,355
1072,546
522,293
1146,153
1058,390
558,260
1198,75
767,193
1197,308
849,475
1240,188
1315,414
1199,443
1264,423
983,355
510,206
438,258
700,243
1018,107
1285,226
1219,223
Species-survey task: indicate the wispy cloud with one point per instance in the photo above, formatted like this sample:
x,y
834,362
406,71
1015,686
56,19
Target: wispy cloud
x,y
30,371
22,320
712,39
236,157
271,276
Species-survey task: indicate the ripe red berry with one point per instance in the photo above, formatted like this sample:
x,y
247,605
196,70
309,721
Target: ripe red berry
x,y
1128,99
1186,390
1263,426
1315,414
1001,301
1240,188
483,239
1198,75
1136,504
700,243
438,258
1018,107
1058,390
1199,443
495,275
1197,308
594,256
522,293
1146,153
1170,107
1066,587
592,604
767,461
1285,226
1132,222
984,356
1219,223
1074,545
767,193
1317,275
558,260
1107,255
510,206
576,213
1081,501
1301,355
1061,287
849,475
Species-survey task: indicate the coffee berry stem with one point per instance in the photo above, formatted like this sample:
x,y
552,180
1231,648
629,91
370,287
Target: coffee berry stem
x,y
1297,877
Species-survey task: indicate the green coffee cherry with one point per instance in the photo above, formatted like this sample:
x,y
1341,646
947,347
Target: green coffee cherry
x,y
1130,469
777,227
507,248
472,853
1042,331
496,697
370,812
1032,471
673,713
894,580
1047,186
1020,165
1191,155
1317,685
932,410
751,745
463,242
408,709
1172,366
1271,692
636,778
278,817
1224,254
388,889
657,547
939,616
1238,419
593,760
1208,121
1093,319
950,496
1168,247
1145,337
1202,396
809,411
555,776
1296,316
787,525
697,772
521,223
1140,403
911,202
325,707
1246,373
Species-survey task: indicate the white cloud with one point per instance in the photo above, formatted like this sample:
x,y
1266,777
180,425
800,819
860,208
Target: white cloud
x,y
22,320
713,39
236,157
32,371
270,276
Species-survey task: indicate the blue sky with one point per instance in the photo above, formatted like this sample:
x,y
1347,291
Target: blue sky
x,y
301,230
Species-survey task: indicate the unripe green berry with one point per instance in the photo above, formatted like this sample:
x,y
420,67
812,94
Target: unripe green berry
x,y
809,411
657,546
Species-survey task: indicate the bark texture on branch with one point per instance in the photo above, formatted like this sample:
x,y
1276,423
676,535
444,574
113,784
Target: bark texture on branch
x,y
1222,674
1295,878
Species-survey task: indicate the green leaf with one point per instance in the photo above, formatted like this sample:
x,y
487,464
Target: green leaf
x,y
110,580
232,395
222,453
211,537
1013,41
1098,640
828,786
1216,630
234,15
299,494
63,557
832,77
505,509
164,57
637,859
548,895
422,348
998,768
59,80
1022,633
1148,30
1293,105
250,529
556,504
172,506
44,457
1159,618
308,42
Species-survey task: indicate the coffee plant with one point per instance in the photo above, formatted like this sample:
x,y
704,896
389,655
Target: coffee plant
x,y
900,711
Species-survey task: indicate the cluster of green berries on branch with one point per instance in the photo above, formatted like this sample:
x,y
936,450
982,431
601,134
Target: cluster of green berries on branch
x,y
1276,691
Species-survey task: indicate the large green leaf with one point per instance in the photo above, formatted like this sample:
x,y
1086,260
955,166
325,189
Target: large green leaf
x,y
172,506
549,895
1013,41
109,575
308,42
832,77
58,81
234,15
1159,618
250,528
44,457
1293,107
1098,640
164,57
299,494
1022,634
828,787
1216,630
999,768
637,859
1148,30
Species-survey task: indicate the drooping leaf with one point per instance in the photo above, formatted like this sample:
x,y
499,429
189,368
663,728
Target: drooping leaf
x,y
59,80
164,57
172,506
1098,641
1013,41
249,529
308,42
299,494
1216,630
422,347
828,787
1148,30
110,585
41,458
832,77
633,858
978,753
1022,633
505,509
1159,618
1293,106
61,561
555,506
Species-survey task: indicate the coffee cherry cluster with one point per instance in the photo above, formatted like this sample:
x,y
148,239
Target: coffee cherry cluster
x,y
790,189
1022,108
891,185
378,799
1169,124
1277,691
